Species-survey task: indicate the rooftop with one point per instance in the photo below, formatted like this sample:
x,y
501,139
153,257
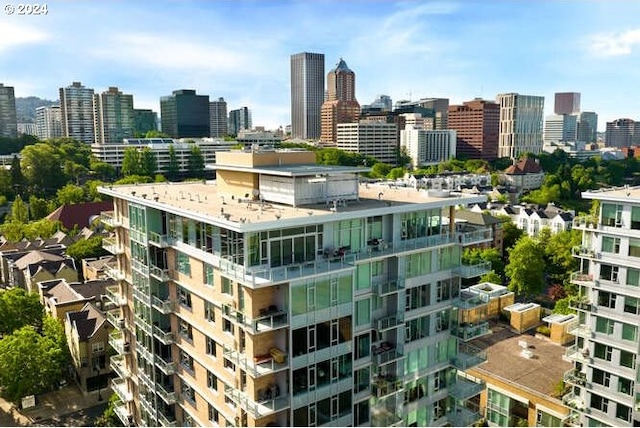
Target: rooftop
x,y
630,194
541,373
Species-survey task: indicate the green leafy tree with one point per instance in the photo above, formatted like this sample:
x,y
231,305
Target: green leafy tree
x,y
38,207
478,255
17,178
86,248
156,134
526,268
148,162
131,162
562,306
102,170
43,228
91,189
19,211
195,162
491,277
396,173
133,179
510,232
42,168
12,231
71,194
559,259
380,170
108,418
19,309
173,169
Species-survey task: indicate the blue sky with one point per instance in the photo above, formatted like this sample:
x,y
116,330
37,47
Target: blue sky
x,y
240,50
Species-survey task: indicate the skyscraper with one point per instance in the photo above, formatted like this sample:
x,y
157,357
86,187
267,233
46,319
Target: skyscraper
x,y
144,120
560,128
477,126
621,133
567,103
521,118
239,119
307,94
218,115
48,122
185,114
8,119
341,105
113,112
588,127
76,109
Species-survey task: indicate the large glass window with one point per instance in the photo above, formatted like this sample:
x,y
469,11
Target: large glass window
x,y
625,386
183,264
634,247
363,312
629,332
611,214
606,299
610,244
623,412
631,305
601,377
544,419
633,277
497,408
635,218
348,234
604,325
627,359
603,351
599,403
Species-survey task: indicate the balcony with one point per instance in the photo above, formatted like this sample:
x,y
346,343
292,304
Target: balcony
x,y
140,266
385,417
119,366
138,236
166,420
585,223
582,330
475,237
142,295
167,393
582,303
110,219
573,353
164,336
574,401
270,318
464,388
389,322
583,279
116,319
388,287
145,378
463,417
144,352
161,241
120,387
469,331
143,324
469,300
383,386
112,246
160,274
117,342
257,366
468,357
472,271
114,294
386,353
575,377
166,367
582,251
114,273
162,305
270,403
122,412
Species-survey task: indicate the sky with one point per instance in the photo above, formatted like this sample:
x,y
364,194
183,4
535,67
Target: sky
x,y
241,50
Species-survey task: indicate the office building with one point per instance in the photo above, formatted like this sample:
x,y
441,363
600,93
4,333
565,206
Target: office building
x,y
185,115
521,119
307,94
587,127
218,116
428,147
435,108
560,128
341,105
477,126
567,103
605,354
622,133
376,139
287,294
76,110
144,120
240,120
8,119
382,104
113,115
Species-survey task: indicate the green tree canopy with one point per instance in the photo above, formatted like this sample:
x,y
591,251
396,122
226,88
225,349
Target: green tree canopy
x,y
173,169
19,309
71,194
477,255
148,162
526,267
86,248
195,162
19,211
510,232
42,168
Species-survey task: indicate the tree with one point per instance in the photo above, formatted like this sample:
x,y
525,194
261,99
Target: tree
x,y
173,169
562,306
195,162
38,207
148,162
17,178
102,170
396,173
558,257
474,256
156,134
108,418
491,277
70,194
526,267
86,248
510,232
43,228
380,170
19,309
19,211
42,168
131,162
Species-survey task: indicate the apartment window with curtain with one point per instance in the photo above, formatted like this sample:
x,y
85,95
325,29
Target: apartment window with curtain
x,y
634,247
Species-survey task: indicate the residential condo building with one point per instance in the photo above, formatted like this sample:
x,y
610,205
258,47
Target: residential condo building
x,y
8,119
307,94
113,115
287,294
218,116
521,118
76,110
48,122
428,147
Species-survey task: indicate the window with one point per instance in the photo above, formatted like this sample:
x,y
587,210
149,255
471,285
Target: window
x,y
186,361
229,365
544,419
604,325
631,305
184,297
363,346
625,386
208,274
633,277
97,347
623,412
612,215
606,299
227,286
363,312
212,381
627,359
211,347
227,326
610,244
635,218
186,331
188,393
609,273
629,332
361,413
634,247
601,377
362,379
183,264
603,351
599,403
209,311
214,416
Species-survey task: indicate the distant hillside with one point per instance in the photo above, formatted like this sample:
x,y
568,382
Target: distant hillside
x,y
26,108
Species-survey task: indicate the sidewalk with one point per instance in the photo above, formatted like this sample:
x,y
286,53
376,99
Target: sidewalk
x,y
51,405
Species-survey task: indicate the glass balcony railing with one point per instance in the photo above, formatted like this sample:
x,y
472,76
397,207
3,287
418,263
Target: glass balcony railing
x,y
138,236
463,417
581,278
389,322
258,409
122,412
383,386
118,365
388,287
167,367
166,420
574,401
167,394
120,387
112,246
113,293
575,377
163,305
162,274
143,324
386,353
469,300
140,266
116,319
160,240
272,319
256,366
117,342
110,219
470,331
579,329
471,271
114,273
475,237
573,353
468,357
463,389
166,336
582,303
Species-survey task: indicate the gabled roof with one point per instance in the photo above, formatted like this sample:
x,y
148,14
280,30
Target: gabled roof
x,y
60,290
87,321
91,289
79,214
524,166
477,218
36,257
53,267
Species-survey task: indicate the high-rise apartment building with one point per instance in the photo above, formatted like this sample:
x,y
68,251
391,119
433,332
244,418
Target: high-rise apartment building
x,y
560,128
477,126
8,119
605,354
113,116
219,120
240,120
48,122
341,105
567,103
521,118
307,94
76,109
436,108
184,114
622,133
587,127
428,147
375,139
144,120
287,294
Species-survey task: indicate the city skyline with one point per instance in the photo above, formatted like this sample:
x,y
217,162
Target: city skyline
x,y
241,50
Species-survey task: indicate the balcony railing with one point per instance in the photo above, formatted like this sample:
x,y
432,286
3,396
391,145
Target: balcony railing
x,y
468,356
475,237
582,303
386,353
469,300
573,353
144,325
272,319
161,274
260,408
257,366
469,331
117,342
389,322
463,389
144,352
116,319
163,305
114,273
138,235
388,287
122,412
166,420
112,246
108,218
167,394
463,417
120,387
382,386
384,418
167,367
574,401
140,266
118,365
159,240
471,271
582,251
575,377
577,329
581,278
113,293
166,337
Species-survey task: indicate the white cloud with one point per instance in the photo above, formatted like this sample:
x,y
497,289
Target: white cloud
x,y
14,35
615,44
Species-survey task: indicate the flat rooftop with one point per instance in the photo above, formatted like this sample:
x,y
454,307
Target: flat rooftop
x,y
541,373
625,193
199,198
